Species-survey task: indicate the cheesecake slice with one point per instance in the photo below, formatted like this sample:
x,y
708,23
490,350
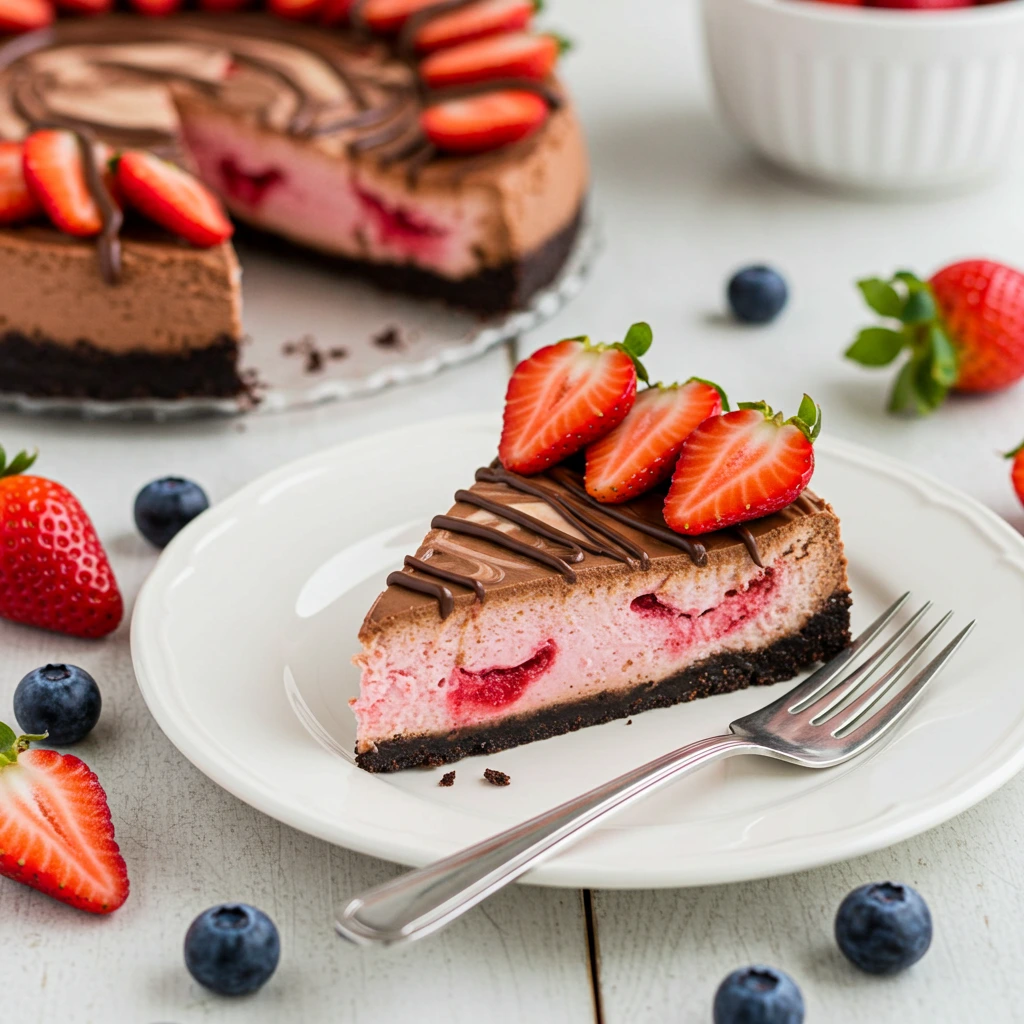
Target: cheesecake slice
x,y
530,610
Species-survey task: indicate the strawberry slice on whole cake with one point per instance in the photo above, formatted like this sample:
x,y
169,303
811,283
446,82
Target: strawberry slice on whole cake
x,y
572,584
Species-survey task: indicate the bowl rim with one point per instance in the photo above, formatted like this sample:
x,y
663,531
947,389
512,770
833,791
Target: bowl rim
x,y
840,14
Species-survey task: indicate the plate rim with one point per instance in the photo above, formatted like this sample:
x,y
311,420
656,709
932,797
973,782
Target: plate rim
x,y
579,870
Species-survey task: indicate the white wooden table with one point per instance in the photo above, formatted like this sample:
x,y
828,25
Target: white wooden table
x,y
681,206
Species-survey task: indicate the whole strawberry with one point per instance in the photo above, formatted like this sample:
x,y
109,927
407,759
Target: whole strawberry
x,y
55,830
963,330
1017,470
54,573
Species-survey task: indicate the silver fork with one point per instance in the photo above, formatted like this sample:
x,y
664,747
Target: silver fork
x,y
829,718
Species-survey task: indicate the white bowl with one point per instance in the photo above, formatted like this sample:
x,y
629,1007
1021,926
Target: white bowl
x,y
872,99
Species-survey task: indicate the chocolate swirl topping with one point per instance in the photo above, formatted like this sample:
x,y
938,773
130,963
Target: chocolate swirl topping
x,y
561,490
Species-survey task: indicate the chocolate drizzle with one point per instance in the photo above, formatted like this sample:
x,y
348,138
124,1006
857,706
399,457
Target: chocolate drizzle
x,y
750,543
562,491
697,552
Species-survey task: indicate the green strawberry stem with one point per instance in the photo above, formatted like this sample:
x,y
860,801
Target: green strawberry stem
x,y
807,419
1015,452
925,378
11,745
637,341
17,465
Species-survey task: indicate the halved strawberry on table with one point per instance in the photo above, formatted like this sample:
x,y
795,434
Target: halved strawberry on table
x,y
54,573
642,450
17,202
963,330
84,7
509,55
475,124
740,466
567,395
484,18
56,835
55,172
296,10
172,198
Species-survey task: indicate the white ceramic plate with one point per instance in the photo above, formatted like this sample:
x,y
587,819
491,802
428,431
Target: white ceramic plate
x,y
243,633
315,336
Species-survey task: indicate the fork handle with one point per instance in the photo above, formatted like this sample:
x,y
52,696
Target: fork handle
x,y
421,902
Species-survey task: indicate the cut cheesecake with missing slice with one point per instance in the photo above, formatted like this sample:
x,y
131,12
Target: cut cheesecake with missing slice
x,y
507,638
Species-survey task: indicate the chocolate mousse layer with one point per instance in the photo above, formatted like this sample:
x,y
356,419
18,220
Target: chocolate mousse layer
x,y
823,637
170,327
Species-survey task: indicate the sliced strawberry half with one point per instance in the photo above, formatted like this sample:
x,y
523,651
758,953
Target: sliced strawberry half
x,y
485,18
295,10
55,829
566,396
510,55
172,198
17,203
52,161
388,16
155,8
25,15
740,466
475,124
642,450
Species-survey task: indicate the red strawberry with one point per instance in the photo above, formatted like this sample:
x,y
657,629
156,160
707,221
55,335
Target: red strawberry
x,y
964,330
335,12
17,203
55,830
388,16
223,6
510,55
54,172
474,124
485,18
1017,471
24,15
740,466
172,198
54,573
642,450
155,8
85,6
295,10
568,395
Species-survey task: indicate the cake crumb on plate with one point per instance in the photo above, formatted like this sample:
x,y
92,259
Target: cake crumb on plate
x,y
496,778
448,779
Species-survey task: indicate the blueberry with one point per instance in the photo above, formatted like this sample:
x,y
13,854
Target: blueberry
x,y
61,700
232,949
884,927
165,506
758,995
757,295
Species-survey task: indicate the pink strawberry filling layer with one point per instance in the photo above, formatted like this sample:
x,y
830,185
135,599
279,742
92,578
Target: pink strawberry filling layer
x,y
334,206
494,660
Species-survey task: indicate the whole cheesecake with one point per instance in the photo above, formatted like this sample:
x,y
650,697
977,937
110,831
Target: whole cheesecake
x,y
316,137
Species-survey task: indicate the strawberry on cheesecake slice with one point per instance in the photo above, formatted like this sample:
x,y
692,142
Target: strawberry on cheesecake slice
x,y
567,588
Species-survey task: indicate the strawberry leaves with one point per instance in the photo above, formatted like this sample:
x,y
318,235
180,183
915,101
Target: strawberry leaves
x,y
17,465
931,370
11,745
637,341
807,419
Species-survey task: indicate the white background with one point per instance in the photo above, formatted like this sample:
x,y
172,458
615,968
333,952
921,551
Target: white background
x,y
682,205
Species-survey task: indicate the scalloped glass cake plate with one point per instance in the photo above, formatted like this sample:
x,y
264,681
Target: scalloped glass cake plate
x,y
240,652
315,336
